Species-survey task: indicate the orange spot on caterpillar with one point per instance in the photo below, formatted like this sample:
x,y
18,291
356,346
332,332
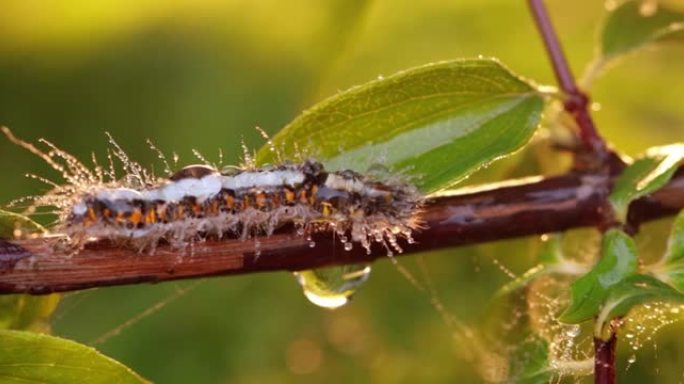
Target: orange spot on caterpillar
x,y
91,214
179,214
136,217
196,209
161,212
289,195
326,209
230,201
312,196
260,199
150,217
214,207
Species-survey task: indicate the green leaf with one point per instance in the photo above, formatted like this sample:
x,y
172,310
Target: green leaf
x,y
551,260
529,364
551,251
441,122
27,357
633,291
670,268
631,26
618,261
645,175
675,243
10,222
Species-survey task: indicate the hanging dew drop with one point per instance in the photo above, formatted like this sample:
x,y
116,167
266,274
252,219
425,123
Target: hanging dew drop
x,y
332,287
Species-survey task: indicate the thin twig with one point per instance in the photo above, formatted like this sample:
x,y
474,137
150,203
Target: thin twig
x,y
577,102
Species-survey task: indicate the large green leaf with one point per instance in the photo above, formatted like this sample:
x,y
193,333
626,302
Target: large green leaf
x,y
618,262
631,26
441,122
633,291
645,175
27,357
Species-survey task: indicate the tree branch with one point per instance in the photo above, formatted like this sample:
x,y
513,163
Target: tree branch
x,y
531,206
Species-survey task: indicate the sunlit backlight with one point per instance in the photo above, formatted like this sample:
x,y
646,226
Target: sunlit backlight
x,y
304,357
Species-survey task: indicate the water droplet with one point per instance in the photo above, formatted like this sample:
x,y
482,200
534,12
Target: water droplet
x,y
348,246
312,244
632,359
629,335
573,331
332,287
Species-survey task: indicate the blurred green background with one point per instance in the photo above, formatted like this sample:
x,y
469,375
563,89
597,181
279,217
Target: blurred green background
x,y
202,74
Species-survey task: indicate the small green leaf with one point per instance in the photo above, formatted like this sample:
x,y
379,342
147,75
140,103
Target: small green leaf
x,y
634,290
441,122
618,261
27,357
551,251
632,26
10,222
529,364
551,261
645,175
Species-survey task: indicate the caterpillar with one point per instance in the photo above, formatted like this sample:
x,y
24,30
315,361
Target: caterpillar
x,y
198,201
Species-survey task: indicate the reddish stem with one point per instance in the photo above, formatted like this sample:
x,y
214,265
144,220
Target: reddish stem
x,y
604,360
577,102
577,105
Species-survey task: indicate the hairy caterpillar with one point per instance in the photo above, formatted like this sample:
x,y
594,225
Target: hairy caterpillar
x,y
200,200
